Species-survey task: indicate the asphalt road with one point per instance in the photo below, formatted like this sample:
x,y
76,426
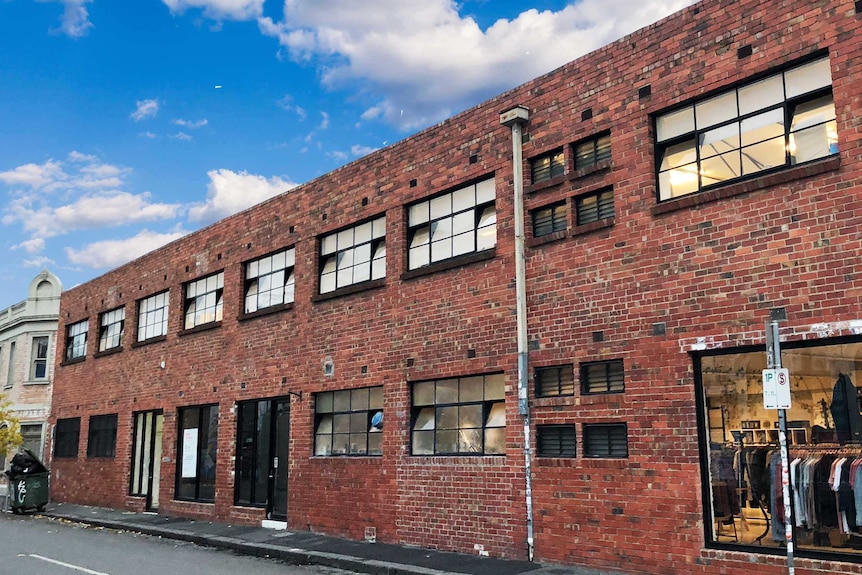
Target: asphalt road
x,y
36,545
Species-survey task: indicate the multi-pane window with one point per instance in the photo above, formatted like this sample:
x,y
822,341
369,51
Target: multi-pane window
x,y
269,281
590,152
66,435
197,449
459,416
556,441
153,316
602,377
606,440
457,223
39,358
549,219
102,437
594,207
555,381
76,340
203,302
111,327
548,166
10,366
784,119
349,422
353,255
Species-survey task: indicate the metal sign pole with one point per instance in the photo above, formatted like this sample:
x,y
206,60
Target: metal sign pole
x,y
773,362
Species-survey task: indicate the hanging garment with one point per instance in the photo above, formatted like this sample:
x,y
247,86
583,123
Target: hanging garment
x,y
845,411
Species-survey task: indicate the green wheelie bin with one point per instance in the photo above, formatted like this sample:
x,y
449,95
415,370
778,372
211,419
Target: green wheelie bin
x,y
28,491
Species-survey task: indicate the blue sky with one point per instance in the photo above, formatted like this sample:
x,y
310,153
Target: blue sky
x,y
129,123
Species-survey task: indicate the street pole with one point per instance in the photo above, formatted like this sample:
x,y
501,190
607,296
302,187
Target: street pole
x,y
773,362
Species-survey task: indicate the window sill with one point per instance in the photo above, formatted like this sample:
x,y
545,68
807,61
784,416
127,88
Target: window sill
x,y
37,382
757,183
265,311
200,328
544,185
143,342
555,401
452,263
546,239
351,289
603,166
73,361
111,351
593,226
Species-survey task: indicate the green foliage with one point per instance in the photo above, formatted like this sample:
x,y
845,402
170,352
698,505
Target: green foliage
x,y
10,428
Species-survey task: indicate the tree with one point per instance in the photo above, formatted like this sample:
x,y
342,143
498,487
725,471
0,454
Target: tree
x,y
10,428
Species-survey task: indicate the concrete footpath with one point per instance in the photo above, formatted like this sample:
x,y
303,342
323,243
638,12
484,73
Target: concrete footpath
x,y
305,548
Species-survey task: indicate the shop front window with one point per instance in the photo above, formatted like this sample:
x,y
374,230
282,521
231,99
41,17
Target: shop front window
x,y
824,437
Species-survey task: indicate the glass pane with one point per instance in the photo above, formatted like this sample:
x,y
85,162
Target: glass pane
x,y
359,422
345,239
327,283
720,168
375,444
447,441
441,250
376,398
470,441
419,257
716,110
418,214
441,229
485,191
807,78
340,444
497,417
358,443
472,389
447,417
363,233
421,236
678,155
674,124
763,127
447,391
470,416
463,199
441,206
425,419
423,443
719,140
341,423
760,95
325,424
328,245
423,393
323,445
495,441
495,387
359,399
763,156
341,400
462,222
379,228
678,182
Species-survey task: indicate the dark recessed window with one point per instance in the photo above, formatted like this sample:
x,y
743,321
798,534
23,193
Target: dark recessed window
x,y
606,440
66,435
153,316
776,122
197,450
592,151
269,281
547,166
556,441
555,381
111,327
460,416
102,437
603,377
549,219
353,255
594,207
349,422
76,340
203,302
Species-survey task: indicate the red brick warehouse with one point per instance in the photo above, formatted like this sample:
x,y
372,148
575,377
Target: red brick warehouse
x,y
356,338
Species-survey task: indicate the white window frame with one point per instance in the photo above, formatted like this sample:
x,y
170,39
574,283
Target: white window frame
x,y
34,358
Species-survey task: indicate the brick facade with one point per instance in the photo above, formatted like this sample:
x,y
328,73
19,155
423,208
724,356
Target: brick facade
x,y
659,280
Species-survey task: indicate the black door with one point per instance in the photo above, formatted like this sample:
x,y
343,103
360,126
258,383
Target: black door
x,y
263,432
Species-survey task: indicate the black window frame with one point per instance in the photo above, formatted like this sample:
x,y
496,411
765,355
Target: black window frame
x,y
609,382
217,309
76,343
697,134
590,152
148,310
491,405
254,277
548,166
594,206
557,441
599,440
67,437
205,418
562,379
555,220
112,327
334,247
102,436
363,404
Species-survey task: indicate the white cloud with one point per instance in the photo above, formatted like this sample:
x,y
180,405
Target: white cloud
x,y
75,20
191,124
180,136
220,9
324,121
427,61
38,262
148,135
358,150
112,253
33,246
145,109
33,175
229,192
88,174
287,105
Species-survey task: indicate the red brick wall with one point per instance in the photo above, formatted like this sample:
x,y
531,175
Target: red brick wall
x,y
704,269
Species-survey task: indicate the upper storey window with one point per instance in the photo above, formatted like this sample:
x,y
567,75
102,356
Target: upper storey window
x,y
153,316
269,281
353,255
591,152
204,300
111,328
784,119
76,340
453,224
547,166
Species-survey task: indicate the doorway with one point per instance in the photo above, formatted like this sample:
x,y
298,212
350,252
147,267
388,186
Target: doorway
x,y
147,457
263,434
